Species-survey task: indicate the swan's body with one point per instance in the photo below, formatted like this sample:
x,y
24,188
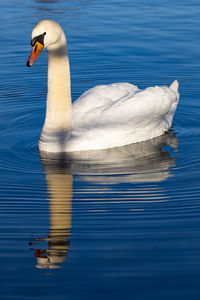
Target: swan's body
x,y
103,117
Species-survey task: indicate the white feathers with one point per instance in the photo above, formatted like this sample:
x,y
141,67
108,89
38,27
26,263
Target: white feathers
x,y
119,114
174,86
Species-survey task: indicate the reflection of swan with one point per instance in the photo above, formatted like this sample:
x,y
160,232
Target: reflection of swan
x,y
60,189
143,162
104,117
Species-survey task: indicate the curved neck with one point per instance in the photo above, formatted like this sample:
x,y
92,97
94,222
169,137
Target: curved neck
x,y
58,110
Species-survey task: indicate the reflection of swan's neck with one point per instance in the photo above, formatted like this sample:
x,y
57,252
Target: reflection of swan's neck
x,y
60,188
58,111
60,206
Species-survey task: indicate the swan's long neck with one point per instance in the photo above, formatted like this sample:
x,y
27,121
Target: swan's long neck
x,y
58,109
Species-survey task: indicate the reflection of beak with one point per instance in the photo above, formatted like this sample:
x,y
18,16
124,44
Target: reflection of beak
x,y
37,48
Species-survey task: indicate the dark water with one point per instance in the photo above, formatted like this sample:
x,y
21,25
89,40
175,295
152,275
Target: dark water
x,y
117,224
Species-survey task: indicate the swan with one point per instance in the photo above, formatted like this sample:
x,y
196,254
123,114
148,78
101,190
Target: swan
x,y
103,117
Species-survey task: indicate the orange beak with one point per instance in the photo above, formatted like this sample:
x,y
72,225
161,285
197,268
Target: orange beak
x,y
37,48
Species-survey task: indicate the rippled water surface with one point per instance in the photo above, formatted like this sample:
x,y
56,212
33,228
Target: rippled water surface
x,y
117,224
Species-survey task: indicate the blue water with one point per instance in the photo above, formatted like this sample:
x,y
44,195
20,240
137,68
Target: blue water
x,y
116,225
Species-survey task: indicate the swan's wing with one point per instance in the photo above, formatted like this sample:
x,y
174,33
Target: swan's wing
x,y
122,104
149,105
97,100
134,116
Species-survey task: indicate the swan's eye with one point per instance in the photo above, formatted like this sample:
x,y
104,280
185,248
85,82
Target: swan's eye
x,y
39,38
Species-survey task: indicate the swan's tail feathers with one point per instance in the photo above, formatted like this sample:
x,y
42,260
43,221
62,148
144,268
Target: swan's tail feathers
x,y
174,87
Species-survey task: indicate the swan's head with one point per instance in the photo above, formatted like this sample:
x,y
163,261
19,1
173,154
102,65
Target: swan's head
x,y
45,33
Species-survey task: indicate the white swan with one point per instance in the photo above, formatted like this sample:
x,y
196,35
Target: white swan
x,y
103,117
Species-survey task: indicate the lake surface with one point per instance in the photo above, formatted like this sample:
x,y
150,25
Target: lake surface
x,y
119,224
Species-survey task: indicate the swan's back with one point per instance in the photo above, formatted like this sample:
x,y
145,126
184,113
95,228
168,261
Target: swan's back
x,y
119,114
90,105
